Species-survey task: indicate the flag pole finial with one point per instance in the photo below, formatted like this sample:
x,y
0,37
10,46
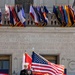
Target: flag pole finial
x,y
33,49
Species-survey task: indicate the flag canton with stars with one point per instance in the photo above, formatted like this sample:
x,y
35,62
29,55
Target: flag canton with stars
x,y
38,59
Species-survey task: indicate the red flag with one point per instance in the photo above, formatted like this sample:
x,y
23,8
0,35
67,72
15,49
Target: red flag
x,y
28,60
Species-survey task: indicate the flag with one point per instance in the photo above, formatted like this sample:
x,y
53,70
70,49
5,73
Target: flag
x,y
7,11
27,59
11,17
71,14
65,16
4,72
0,17
33,14
45,12
62,16
68,14
41,65
23,61
23,14
20,16
15,17
45,9
40,16
57,13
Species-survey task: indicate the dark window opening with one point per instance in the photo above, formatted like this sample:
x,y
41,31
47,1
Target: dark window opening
x,y
52,58
5,64
25,3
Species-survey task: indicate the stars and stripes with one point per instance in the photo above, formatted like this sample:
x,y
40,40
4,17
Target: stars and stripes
x,y
40,64
4,72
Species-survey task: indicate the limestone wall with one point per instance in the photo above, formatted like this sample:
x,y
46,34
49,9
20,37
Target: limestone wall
x,y
45,40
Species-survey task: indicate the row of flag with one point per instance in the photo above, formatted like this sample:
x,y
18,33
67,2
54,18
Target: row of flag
x,y
41,66
39,15
65,15
16,15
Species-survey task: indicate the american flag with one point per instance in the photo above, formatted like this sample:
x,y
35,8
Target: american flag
x,y
41,65
4,72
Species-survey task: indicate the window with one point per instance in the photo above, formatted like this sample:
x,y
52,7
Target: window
x,y
52,58
5,64
25,4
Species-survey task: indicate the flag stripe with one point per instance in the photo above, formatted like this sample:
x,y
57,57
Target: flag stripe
x,y
40,64
45,67
41,68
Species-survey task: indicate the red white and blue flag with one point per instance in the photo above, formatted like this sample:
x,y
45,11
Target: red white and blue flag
x,y
41,65
21,14
4,72
33,14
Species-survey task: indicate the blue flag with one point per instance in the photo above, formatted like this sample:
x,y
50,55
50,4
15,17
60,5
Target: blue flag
x,y
45,9
11,18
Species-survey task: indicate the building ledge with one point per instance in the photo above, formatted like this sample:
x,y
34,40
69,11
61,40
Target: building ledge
x,y
37,29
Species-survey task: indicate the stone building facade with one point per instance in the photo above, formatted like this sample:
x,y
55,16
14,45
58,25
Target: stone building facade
x,y
55,43
45,40
26,3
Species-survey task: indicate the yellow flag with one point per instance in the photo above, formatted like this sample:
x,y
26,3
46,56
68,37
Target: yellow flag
x,y
68,14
